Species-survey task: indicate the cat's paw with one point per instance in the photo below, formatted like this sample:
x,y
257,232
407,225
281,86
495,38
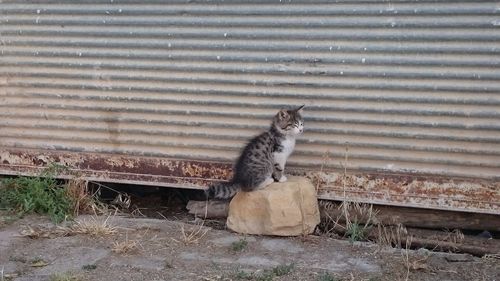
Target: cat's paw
x,y
283,178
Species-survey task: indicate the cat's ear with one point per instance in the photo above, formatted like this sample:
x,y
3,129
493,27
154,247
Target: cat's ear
x,y
283,114
300,109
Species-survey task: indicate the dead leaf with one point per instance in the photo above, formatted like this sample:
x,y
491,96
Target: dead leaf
x,y
418,265
11,276
40,263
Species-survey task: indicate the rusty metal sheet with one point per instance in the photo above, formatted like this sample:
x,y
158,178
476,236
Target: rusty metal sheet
x,y
167,93
408,86
471,195
432,192
115,168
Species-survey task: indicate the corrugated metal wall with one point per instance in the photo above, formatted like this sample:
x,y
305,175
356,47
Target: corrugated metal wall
x,y
410,86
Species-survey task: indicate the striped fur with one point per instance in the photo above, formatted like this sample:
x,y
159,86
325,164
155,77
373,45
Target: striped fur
x,y
222,190
262,161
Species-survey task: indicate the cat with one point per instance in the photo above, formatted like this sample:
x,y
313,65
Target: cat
x,y
263,159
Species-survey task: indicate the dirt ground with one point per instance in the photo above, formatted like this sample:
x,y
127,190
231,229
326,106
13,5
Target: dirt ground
x,y
153,249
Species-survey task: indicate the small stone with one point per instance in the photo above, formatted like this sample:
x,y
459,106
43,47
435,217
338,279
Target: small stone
x,y
282,209
459,258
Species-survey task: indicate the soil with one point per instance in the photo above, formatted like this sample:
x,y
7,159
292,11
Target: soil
x,y
160,252
166,243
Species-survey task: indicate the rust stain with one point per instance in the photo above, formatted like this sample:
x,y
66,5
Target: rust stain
x,y
411,191
402,190
118,168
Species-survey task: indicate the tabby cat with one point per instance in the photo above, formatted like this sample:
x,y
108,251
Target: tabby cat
x,y
263,159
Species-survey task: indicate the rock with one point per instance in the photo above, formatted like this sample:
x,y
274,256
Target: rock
x,y
282,209
208,209
459,258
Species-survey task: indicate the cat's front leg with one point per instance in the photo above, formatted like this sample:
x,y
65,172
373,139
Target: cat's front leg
x,y
279,173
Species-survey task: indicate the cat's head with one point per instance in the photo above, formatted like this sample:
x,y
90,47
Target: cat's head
x,y
289,122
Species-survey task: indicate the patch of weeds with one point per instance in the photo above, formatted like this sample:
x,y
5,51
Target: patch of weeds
x,y
265,276
280,270
64,277
239,245
242,275
168,265
18,259
327,277
89,267
95,227
37,259
215,265
125,247
192,235
42,195
356,232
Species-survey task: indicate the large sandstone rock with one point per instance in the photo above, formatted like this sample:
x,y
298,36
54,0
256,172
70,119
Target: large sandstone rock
x,y
283,209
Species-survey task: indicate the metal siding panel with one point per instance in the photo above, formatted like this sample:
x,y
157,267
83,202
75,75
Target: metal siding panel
x,y
407,87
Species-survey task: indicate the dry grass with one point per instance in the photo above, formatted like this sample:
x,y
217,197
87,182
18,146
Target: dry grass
x,y
412,264
406,257
126,247
195,232
95,227
456,236
193,235
317,176
353,219
122,200
354,212
36,232
392,235
84,201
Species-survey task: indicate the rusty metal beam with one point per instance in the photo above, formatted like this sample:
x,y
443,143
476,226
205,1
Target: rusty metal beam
x,y
469,195
405,190
116,168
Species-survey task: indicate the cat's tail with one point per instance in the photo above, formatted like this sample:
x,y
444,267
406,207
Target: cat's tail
x,y
222,190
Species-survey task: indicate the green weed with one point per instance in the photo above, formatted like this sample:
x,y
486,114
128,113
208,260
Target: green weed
x,y
280,270
168,265
356,232
242,275
64,277
327,277
239,245
18,259
265,276
42,195
89,267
